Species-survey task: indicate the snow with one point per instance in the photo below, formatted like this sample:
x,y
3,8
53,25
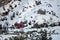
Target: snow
x,y
6,36
56,37
26,13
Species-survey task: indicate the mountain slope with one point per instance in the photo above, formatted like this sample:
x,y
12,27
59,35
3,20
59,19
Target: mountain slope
x,y
31,12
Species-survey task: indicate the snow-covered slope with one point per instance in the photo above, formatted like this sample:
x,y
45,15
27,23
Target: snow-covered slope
x,y
26,13
27,10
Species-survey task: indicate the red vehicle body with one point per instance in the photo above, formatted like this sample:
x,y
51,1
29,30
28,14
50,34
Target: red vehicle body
x,y
20,25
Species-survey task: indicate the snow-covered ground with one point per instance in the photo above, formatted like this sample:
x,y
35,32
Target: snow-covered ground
x,y
27,10
56,37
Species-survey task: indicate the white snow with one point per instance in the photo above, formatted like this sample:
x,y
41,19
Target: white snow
x,y
28,12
